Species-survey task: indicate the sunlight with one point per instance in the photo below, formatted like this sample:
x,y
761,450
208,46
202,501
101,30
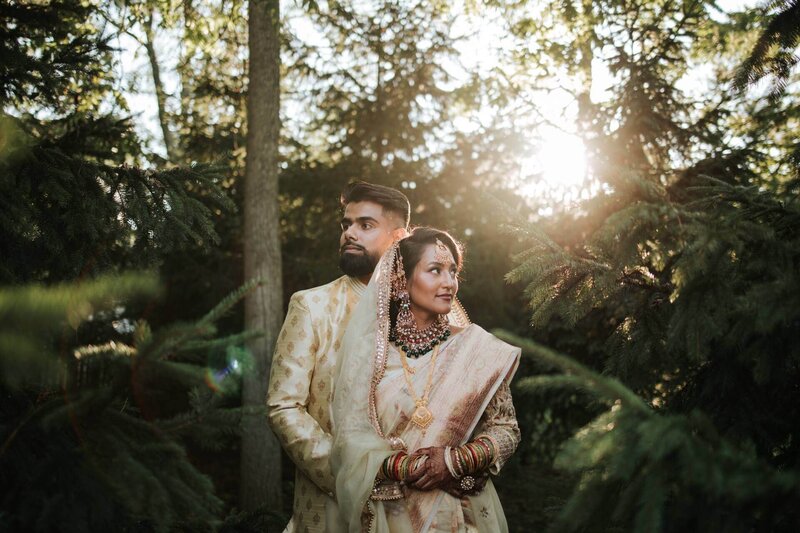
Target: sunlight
x,y
559,165
563,160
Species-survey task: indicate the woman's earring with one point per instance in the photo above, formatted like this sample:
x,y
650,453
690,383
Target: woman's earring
x,y
405,320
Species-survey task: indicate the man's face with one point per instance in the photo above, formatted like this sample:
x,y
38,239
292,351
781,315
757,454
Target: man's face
x,y
367,232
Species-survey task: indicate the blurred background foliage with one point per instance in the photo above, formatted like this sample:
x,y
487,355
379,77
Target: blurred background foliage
x,y
663,280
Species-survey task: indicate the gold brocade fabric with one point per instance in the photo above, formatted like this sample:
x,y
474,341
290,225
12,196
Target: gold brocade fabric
x,y
499,423
300,390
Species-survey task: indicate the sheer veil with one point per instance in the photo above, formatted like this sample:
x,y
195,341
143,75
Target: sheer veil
x,y
358,449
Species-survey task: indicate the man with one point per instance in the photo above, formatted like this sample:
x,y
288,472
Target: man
x,y
300,386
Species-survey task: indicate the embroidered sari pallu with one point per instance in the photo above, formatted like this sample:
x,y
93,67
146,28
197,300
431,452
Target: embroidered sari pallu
x,y
469,371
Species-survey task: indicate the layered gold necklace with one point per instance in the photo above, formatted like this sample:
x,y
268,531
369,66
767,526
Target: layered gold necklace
x,y
422,416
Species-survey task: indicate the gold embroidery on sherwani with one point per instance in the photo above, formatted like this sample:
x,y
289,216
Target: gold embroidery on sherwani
x,y
300,391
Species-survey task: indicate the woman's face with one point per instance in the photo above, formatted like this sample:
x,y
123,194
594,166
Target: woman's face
x,y
434,282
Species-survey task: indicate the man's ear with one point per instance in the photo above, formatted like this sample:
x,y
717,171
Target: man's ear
x,y
399,233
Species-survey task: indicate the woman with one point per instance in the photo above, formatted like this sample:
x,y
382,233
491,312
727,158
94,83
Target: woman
x,y
422,411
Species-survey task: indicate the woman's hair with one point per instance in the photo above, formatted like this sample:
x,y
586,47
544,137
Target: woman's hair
x,y
413,246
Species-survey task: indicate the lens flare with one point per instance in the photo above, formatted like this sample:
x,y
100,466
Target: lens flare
x,y
223,378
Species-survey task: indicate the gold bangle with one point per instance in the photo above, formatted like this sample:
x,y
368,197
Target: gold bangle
x,y
448,461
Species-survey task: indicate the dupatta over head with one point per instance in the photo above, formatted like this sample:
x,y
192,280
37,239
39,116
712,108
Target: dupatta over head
x,y
464,382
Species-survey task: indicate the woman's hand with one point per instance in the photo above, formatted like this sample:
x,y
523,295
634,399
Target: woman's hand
x,y
433,474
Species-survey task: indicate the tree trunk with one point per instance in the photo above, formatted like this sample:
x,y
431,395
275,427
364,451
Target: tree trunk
x,y
261,453
161,96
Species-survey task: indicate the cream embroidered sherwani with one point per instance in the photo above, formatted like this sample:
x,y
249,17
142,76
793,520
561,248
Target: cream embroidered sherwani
x,y
300,391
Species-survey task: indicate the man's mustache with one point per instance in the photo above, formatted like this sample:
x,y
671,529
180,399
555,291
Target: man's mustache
x,y
354,245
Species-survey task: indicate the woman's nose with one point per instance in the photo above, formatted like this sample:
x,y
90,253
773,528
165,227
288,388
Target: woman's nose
x,y
449,279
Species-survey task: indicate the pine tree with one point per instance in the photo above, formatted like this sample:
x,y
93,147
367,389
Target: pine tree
x,y
93,436
97,408
676,285
72,204
381,104
775,51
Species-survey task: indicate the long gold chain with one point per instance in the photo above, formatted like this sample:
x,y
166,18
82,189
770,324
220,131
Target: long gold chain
x,y
422,416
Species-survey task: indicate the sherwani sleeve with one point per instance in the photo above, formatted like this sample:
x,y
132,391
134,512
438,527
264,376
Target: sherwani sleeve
x,y
499,423
306,443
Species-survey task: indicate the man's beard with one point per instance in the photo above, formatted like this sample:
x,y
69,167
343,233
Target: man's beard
x,y
357,265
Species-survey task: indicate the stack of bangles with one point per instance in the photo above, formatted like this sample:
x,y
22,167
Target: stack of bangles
x,y
462,461
397,467
471,458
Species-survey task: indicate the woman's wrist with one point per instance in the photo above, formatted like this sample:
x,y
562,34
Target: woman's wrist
x,y
472,458
448,461
399,466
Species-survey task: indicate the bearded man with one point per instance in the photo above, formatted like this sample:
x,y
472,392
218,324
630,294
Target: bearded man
x,y
300,385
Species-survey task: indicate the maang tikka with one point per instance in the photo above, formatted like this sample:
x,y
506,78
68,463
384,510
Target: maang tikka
x,y
405,333
442,254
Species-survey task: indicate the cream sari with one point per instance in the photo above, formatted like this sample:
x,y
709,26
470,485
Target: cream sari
x,y
372,407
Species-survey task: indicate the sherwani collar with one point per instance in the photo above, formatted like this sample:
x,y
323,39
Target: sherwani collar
x,y
356,285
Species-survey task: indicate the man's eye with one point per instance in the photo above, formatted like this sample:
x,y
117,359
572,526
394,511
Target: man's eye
x,y
435,270
366,225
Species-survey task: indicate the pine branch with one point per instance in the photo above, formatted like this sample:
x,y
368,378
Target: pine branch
x,y
606,387
781,32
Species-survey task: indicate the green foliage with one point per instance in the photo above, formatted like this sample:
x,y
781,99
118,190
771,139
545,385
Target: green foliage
x,y
34,317
775,51
641,470
72,204
98,407
53,56
677,279
699,302
64,215
93,436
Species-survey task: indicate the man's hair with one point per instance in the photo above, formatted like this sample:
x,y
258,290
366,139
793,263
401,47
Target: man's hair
x,y
389,199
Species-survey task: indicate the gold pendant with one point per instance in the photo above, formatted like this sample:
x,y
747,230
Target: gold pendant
x,y
422,416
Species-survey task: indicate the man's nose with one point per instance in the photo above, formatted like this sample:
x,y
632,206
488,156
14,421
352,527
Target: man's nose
x,y
350,234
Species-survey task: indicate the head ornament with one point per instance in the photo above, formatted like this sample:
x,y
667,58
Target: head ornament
x,y
443,254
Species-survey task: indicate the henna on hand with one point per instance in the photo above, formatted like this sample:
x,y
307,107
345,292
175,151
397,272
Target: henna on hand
x,y
436,474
